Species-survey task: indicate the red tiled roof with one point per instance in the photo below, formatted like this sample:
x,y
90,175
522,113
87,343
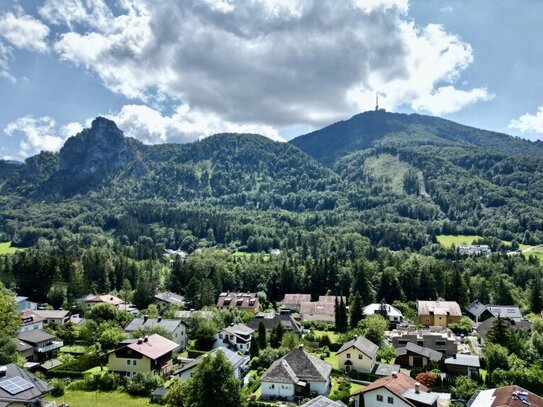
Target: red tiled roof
x,y
397,385
505,396
155,346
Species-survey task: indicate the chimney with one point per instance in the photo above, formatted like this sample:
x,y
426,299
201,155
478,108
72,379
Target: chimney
x,y
301,346
145,318
146,339
355,337
454,356
140,341
231,324
159,319
192,310
3,371
417,387
394,374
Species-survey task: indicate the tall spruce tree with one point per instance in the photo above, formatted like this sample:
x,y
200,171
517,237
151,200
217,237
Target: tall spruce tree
x,y
536,302
262,340
355,310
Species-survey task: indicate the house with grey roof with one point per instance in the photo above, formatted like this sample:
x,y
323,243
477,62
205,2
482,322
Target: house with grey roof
x,y
236,337
167,298
295,376
481,312
270,319
322,401
20,388
175,327
44,344
413,355
57,317
485,327
359,355
23,303
461,364
239,363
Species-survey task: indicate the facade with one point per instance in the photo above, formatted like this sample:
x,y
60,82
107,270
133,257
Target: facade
x,y
236,337
239,364
143,355
438,313
31,321
412,355
397,390
270,319
474,249
18,388
45,346
175,327
56,317
394,315
295,376
436,338
512,396
359,355
460,364
293,301
242,301
165,299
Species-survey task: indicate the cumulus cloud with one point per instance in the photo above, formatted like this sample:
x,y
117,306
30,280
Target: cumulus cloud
x,y
529,123
91,13
269,62
4,63
24,31
37,134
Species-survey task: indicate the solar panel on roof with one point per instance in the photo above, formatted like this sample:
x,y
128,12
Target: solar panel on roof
x,y
15,385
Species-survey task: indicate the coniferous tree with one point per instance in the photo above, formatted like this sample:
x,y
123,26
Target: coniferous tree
x,y
262,340
355,310
341,318
276,335
536,302
254,347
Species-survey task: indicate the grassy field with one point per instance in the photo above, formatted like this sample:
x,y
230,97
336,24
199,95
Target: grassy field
x,y
78,398
334,336
392,170
536,251
449,240
5,248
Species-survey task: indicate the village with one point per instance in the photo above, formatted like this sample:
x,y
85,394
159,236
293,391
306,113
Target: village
x,y
301,352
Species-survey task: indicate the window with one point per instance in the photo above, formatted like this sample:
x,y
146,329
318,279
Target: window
x,y
360,357
348,355
220,336
134,362
128,362
272,386
390,400
379,397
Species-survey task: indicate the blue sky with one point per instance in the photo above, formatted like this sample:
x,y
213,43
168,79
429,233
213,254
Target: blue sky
x,y
173,71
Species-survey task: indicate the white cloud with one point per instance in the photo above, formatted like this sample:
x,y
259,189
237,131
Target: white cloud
x,y
272,62
92,13
4,63
24,31
529,123
38,134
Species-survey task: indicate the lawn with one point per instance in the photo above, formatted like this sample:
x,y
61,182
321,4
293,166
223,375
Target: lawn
x,y
449,240
6,248
100,399
334,336
536,251
78,349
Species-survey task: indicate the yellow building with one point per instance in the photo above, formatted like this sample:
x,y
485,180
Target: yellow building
x,y
359,354
438,313
144,355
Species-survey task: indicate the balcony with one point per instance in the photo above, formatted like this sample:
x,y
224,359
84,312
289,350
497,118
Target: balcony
x,y
52,346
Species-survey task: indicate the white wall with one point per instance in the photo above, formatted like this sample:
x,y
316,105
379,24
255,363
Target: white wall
x,y
370,399
270,389
319,387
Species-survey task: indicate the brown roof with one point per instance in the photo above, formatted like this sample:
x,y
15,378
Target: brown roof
x,y
450,308
155,346
238,300
29,313
397,384
317,308
53,314
296,299
106,298
331,299
512,396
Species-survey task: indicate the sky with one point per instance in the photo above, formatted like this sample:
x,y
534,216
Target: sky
x,y
177,71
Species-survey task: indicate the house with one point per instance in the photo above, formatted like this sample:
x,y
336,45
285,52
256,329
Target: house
x,y
461,364
394,315
322,401
56,317
293,301
31,321
242,301
236,337
165,299
511,396
175,327
270,319
413,355
157,396
24,304
438,313
359,355
239,364
474,249
481,312
185,316
45,346
18,388
323,310
486,326
398,390
436,338
149,354
295,376
25,350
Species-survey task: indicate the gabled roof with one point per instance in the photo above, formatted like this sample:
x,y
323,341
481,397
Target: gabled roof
x,y
322,401
431,354
105,298
239,330
450,308
235,359
169,325
238,300
463,360
505,311
29,316
22,346
270,319
36,391
35,336
364,345
376,308
297,366
155,346
296,299
476,308
52,314
331,299
317,308
171,298
511,396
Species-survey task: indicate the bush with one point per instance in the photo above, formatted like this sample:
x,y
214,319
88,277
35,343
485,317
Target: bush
x,y
58,386
143,384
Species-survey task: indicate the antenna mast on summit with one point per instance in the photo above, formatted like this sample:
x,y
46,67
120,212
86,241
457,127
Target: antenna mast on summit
x,y
376,101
